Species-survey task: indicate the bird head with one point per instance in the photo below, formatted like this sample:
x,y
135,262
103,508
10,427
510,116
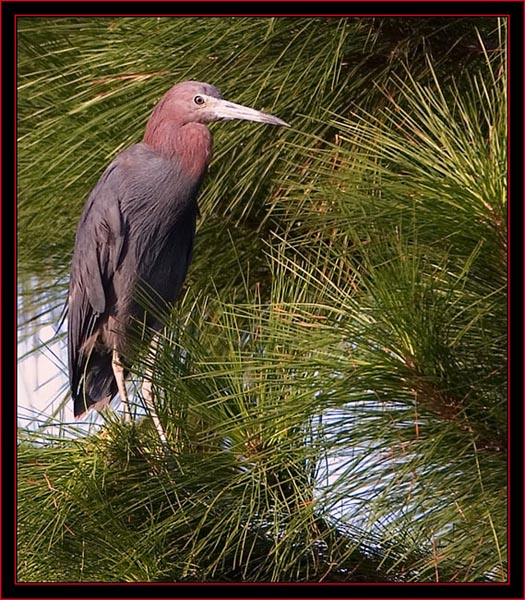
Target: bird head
x,y
196,102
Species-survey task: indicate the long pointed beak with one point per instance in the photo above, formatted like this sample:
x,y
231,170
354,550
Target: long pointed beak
x,y
224,109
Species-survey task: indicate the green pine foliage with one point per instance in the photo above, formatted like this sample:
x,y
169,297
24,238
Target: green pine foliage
x,y
333,379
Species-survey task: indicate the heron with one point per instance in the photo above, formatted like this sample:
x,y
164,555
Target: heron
x,y
137,231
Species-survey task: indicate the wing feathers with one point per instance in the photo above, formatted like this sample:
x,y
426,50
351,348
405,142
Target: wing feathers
x,y
117,231
99,246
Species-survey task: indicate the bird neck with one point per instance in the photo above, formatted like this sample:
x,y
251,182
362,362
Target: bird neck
x,y
190,144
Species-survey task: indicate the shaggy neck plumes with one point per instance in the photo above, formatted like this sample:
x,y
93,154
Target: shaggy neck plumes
x,y
189,143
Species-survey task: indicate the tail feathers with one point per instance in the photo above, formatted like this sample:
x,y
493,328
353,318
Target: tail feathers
x,y
97,387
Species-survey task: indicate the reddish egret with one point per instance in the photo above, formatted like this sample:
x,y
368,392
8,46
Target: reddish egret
x,y
136,232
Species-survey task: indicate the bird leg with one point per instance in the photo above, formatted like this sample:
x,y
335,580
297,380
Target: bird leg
x,y
118,372
147,393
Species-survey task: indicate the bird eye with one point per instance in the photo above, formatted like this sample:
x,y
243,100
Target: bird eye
x,y
199,100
